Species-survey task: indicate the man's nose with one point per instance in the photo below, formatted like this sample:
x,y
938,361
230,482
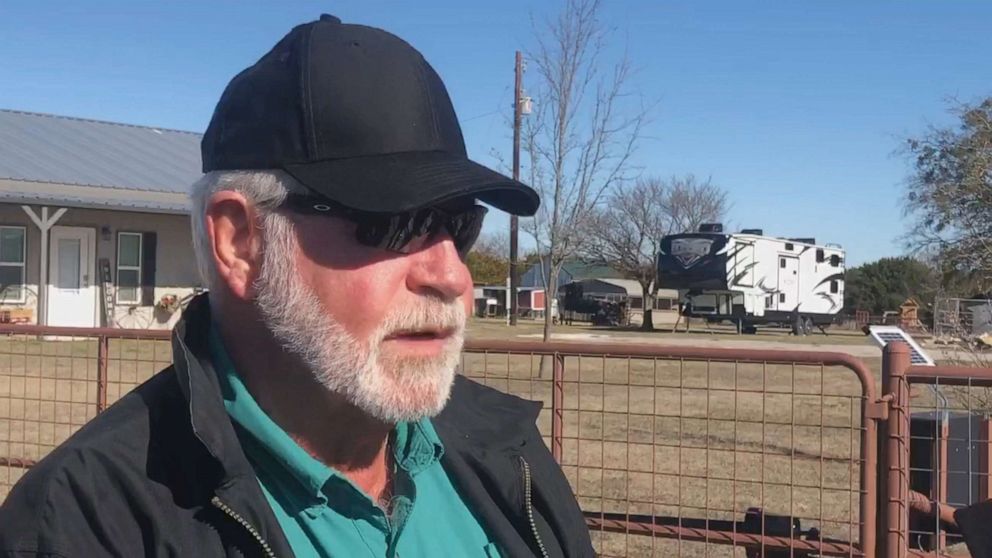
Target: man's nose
x,y
439,269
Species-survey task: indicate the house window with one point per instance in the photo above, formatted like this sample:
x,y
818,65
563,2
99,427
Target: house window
x,y
819,255
12,252
635,303
834,286
128,268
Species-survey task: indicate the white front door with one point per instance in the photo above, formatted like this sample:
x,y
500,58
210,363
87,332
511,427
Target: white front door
x,y
72,294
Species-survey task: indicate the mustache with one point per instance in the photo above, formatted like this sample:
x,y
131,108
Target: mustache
x,y
425,314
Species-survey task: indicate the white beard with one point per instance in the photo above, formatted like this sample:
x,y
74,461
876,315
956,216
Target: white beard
x,y
390,388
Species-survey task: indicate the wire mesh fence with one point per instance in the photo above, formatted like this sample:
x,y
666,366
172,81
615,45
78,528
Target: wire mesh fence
x,y
670,450
54,380
695,452
938,455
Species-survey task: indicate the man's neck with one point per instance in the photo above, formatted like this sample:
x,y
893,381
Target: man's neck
x,y
326,426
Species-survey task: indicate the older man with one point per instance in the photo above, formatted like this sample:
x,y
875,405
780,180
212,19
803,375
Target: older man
x,y
313,408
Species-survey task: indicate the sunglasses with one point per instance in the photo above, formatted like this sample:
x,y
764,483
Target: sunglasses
x,y
403,232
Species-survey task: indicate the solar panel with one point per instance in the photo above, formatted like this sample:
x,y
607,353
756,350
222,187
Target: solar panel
x,y
883,335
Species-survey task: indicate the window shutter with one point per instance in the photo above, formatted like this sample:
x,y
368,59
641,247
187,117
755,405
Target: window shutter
x,y
149,242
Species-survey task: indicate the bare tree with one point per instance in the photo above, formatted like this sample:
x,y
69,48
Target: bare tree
x,y
579,141
626,233
690,202
495,244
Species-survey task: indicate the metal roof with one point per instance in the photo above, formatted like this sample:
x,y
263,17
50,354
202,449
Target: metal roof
x,y
632,287
43,148
92,197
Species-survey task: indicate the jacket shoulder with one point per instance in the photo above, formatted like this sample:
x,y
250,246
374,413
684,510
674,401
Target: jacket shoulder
x,y
479,416
79,499
469,396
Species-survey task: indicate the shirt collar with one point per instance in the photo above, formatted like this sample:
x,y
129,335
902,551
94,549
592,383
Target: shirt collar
x,y
265,435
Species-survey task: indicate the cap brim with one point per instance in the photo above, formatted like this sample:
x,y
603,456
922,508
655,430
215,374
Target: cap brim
x,y
406,181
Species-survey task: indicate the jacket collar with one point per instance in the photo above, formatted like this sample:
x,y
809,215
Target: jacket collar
x,y
201,388
236,484
481,418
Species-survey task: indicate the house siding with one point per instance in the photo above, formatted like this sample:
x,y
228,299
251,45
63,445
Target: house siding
x,y
175,270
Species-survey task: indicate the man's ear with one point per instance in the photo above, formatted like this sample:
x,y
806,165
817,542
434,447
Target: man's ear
x,y
235,241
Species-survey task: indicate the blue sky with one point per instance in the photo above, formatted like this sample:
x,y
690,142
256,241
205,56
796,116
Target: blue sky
x,y
796,108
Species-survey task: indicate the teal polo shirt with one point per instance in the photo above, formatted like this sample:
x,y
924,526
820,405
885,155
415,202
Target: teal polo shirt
x,y
323,513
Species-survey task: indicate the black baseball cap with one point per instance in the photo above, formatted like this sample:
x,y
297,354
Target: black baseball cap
x,y
358,116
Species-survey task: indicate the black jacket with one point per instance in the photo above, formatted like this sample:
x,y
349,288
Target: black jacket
x,y
161,473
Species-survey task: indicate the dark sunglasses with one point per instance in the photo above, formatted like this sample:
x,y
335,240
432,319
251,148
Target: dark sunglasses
x,y
397,232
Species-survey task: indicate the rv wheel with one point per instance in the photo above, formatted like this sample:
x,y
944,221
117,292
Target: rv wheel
x,y
807,325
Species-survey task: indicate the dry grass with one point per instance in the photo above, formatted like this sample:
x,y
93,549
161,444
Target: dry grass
x,y
641,436
492,328
48,389
699,440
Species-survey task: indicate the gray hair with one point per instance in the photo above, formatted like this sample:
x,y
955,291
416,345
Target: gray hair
x,y
265,189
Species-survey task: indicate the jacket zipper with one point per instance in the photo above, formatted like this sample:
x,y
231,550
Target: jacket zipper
x,y
217,503
529,508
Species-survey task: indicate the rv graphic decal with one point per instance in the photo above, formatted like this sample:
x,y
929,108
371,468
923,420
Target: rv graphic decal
x,y
761,285
688,251
834,277
739,276
830,299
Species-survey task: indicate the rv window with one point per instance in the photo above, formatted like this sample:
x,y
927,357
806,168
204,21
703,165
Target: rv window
x,y
769,301
819,255
781,297
834,287
835,260
781,262
788,246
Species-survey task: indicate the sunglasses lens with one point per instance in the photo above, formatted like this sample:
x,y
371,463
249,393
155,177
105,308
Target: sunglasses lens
x,y
399,232
465,228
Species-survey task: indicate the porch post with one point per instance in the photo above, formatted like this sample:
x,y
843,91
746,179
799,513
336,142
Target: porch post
x,y
44,224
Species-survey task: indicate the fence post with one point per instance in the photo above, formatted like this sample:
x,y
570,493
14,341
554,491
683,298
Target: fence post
x,y
102,357
557,412
938,489
985,459
893,470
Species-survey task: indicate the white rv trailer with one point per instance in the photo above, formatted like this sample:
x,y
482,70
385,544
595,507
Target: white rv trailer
x,y
749,278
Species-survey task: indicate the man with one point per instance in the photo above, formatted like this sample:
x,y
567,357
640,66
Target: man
x,y
971,522
312,408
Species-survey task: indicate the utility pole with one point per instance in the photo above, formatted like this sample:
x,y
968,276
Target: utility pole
x,y
514,224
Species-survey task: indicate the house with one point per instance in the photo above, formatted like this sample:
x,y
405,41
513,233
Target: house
x,y
94,221
491,300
